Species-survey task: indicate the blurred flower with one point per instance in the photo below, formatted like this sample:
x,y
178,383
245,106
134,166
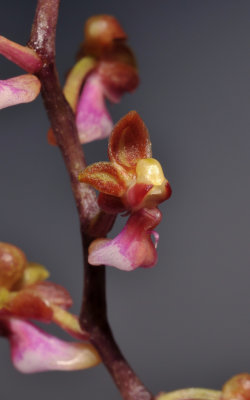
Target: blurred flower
x,y
133,247
237,388
21,89
24,296
106,68
24,88
132,179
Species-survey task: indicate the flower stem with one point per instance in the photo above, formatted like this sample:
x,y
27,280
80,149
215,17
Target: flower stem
x,y
93,317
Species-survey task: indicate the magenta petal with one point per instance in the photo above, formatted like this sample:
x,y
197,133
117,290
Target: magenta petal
x,y
133,247
92,118
33,350
21,89
23,56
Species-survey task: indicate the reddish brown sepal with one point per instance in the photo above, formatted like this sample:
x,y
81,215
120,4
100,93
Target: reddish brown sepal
x,y
101,31
27,305
104,177
111,204
12,264
129,141
237,388
136,194
117,78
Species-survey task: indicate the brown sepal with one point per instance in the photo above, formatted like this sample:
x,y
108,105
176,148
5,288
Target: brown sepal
x,y
111,204
117,78
129,141
104,177
30,306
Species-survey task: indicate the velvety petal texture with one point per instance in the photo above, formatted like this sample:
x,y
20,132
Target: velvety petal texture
x,y
131,175
21,89
133,247
33,350
129,141
92,117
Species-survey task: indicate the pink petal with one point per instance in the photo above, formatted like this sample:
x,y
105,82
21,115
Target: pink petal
x,y
33,350
21,89
92,118
133,247
23,56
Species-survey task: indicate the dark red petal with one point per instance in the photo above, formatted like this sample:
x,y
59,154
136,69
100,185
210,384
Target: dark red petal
x,y
129,141
105,178
136,194
117,78
111,204
27,305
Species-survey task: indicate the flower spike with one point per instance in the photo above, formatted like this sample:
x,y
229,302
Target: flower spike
x,y
133,247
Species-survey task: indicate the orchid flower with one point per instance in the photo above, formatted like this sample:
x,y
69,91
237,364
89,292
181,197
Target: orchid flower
x,y
132,179
106,68
25,295
134,182
133,247
23,88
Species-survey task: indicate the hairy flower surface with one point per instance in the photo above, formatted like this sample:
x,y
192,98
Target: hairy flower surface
x,y
24,296
132,179
106,68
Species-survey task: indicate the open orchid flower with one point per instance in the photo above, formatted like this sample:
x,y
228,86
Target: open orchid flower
x,y
132,179
24,296
133,247
24,88
33,350
106,68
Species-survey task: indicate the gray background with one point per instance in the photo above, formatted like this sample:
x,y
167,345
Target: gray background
x,y
185,322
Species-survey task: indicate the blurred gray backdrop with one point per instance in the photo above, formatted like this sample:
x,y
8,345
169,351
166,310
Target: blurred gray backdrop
x,y
185,322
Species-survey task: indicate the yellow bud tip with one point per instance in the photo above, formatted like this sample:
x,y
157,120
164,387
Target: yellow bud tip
x,y
149,171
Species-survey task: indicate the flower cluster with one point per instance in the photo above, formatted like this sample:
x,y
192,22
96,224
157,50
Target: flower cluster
x,y
132,182
26,295
105,68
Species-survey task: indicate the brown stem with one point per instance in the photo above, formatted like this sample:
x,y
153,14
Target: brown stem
x,y
94,312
